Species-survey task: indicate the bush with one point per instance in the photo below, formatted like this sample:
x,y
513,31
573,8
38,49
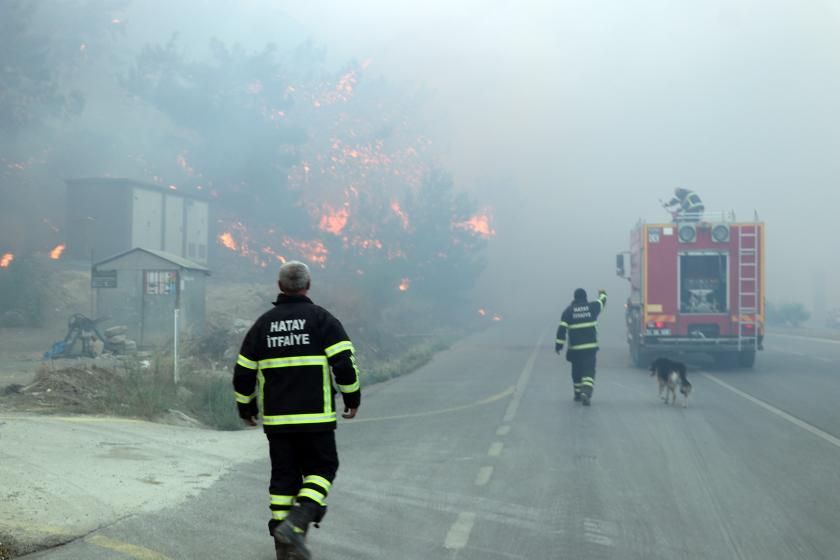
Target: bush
x,y
787,314
213,404
143,392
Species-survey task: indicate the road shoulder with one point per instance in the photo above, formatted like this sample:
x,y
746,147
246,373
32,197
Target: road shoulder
x,y
65,476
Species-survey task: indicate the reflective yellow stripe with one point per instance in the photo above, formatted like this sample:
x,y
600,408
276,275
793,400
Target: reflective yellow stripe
x,y
328,414
244,399
326,383
563,324
584,346
560,341
282,500
693,201
319,480
261,386
587,383
293,361
279,515
583,325
339,347
349,388
313,495
298,419
245,362
355,368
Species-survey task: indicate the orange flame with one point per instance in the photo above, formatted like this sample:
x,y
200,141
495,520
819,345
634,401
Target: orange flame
x,y
270,251
497,317
482,312
478,224
55,254
313,251
333,221
227,240
6,260
368,243
405,284
395,206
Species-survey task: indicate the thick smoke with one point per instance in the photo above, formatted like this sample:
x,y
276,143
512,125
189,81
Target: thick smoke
x,y
569,119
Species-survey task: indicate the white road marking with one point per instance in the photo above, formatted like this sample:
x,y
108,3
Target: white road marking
x,y
484,474
459,534
503,430
495,449
780,413
522,382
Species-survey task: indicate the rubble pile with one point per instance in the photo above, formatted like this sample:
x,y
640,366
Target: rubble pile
x,y
117,341
74,385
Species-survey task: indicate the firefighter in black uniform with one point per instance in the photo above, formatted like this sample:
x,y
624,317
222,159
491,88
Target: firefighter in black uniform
x,y
283,370
690,206
578,327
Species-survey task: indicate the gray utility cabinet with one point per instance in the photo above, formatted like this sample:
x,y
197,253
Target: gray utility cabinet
x,y
109,216
141,289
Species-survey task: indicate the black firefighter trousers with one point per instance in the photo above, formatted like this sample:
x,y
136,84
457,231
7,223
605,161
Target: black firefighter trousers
x,y
583,370
303,467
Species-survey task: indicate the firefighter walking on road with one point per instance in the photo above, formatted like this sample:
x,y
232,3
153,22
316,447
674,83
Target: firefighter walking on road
x,y
578,333
283,371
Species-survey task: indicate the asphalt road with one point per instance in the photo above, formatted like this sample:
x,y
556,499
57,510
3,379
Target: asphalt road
x,y
483,455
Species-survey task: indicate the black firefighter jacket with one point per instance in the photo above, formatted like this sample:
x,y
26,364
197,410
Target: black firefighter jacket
x,y
284,368
579,323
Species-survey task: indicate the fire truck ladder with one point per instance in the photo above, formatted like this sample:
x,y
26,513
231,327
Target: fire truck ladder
x,y
748,287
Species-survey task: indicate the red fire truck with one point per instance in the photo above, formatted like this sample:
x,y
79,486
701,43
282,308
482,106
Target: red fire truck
x,y
695,286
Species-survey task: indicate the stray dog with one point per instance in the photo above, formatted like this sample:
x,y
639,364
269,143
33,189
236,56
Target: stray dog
x,y
670,374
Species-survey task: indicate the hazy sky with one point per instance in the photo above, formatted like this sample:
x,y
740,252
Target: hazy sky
x,y
594,110
571,118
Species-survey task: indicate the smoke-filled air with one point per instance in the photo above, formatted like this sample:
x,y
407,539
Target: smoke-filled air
x,y
450,173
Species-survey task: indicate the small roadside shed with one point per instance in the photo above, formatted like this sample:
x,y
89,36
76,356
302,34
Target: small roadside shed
x,y
142,289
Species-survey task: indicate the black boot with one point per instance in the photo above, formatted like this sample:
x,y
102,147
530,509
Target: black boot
x,y
281,550
577,396
292,532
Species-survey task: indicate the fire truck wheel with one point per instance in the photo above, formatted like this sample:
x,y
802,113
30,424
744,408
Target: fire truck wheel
x,y
640,358
746,358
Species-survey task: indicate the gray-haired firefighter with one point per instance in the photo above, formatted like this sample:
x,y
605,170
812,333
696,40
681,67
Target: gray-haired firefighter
x,y
284,366
578,333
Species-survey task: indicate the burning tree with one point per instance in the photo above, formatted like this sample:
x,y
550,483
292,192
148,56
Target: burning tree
x,y
316,165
